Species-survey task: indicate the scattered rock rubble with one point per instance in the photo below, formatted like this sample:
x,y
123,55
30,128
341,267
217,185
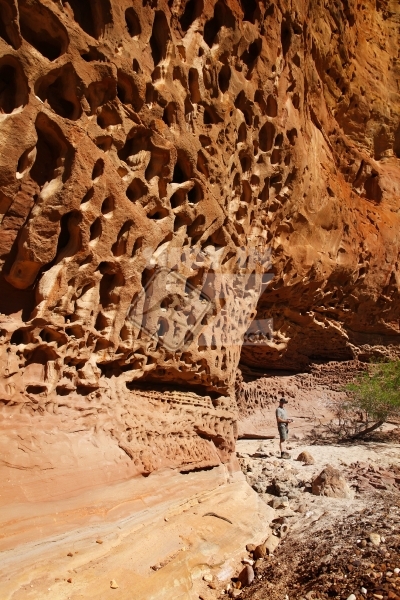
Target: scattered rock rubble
x,y
338,562
343,543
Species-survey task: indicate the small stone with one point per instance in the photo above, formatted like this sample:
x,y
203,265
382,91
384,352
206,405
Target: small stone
x,y
248,561
69,580
282,502
259,552
352,597
396,571
113,584
283,530
69,554
208,577
251,547
378,596
375,538
99,541
363,591
235,593
246,576
271,544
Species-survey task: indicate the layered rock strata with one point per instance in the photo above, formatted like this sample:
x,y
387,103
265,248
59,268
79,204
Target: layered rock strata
x,y
312,397
155,157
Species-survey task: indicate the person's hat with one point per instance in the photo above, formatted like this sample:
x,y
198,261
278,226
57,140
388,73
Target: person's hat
x,y
283,400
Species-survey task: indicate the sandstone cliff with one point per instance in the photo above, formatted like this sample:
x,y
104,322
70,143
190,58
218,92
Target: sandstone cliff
x,y
152,154
160,162
334,223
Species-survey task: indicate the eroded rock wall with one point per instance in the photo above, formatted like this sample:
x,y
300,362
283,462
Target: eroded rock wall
x,y
334,225
151,155
129,204
312,397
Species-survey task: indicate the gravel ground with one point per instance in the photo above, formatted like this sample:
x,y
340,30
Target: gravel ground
x,y
336,561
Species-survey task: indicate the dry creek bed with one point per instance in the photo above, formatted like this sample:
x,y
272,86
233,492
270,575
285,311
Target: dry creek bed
x,y
325,548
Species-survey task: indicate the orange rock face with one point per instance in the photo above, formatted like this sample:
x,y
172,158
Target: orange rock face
x,y
152,155
334,223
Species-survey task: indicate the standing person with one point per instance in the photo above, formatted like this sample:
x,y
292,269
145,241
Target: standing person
x,y
283,422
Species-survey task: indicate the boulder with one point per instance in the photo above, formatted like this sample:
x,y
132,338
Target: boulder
x,y
306,458
331,483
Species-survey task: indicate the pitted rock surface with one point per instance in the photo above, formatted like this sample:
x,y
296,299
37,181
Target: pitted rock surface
x,y
151,153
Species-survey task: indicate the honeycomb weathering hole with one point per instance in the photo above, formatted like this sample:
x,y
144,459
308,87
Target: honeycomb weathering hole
x,y
224,78
160,37
195,194
128,92
223,17
70,238
107,206
250,56
249,8
41,28
96,230
8,24
136,190
108,117
119,248
272,106
92,16
183,169
52,152
158,213
98,169
101,92
13,85
192,11
59,89
286,36
132,22
266,136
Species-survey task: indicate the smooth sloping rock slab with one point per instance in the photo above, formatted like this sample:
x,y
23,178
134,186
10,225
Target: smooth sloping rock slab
x,y
160,535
